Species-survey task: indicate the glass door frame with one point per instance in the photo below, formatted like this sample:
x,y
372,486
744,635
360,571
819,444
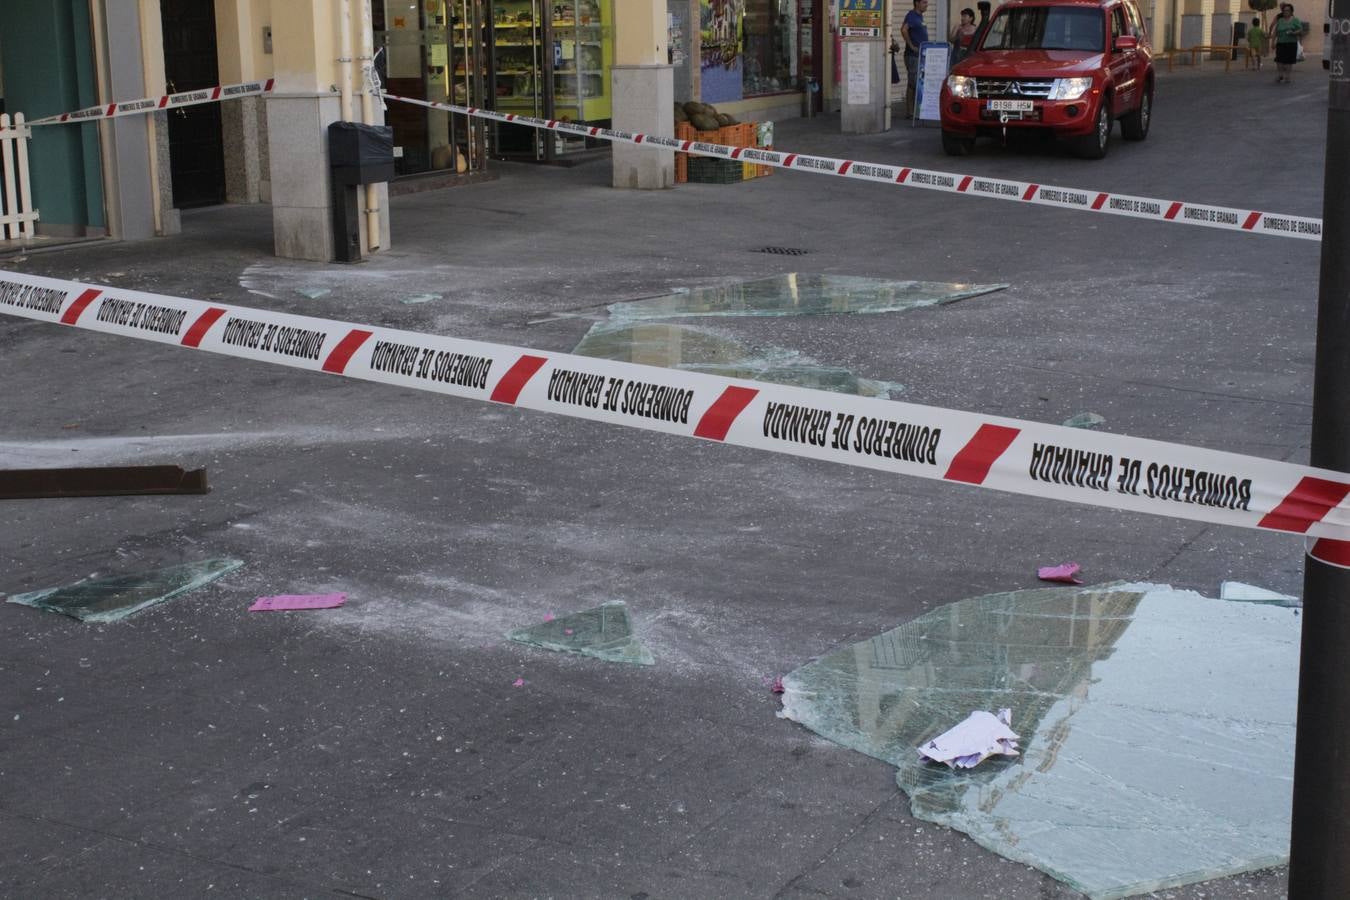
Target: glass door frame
x,y
541,87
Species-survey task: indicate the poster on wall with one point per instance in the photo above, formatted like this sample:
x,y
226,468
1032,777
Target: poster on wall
x,y
403,42
859,73
721,66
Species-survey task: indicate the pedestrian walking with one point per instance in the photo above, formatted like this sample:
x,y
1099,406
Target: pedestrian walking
x,y
914,33
1256,42
1286,31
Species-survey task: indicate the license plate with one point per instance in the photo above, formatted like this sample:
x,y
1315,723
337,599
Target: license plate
x,y
1011,105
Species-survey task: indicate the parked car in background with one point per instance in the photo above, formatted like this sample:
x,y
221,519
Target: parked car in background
x,y
1071,67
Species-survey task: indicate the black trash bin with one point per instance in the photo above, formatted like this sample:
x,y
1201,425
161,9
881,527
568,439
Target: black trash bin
x,y
357,154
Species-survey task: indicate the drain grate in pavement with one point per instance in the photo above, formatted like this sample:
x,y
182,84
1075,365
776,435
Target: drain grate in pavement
x,y
782,251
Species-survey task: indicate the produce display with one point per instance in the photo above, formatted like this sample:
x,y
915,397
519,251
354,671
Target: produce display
x,y
703,116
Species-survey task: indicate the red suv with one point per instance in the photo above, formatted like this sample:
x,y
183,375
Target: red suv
x,y
1070,66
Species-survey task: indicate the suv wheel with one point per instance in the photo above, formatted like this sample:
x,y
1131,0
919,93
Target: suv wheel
x,y
954,144
1093,145
1134,127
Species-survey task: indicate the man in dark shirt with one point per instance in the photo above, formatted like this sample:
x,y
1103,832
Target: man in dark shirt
x,y
914,33
983,6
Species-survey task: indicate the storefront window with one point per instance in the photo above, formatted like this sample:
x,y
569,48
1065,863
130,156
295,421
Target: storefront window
x,y
770,54
429,52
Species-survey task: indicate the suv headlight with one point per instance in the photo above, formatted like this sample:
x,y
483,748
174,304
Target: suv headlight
x,y
962,86
1069,88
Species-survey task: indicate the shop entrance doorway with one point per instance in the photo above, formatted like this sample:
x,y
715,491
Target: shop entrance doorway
x,y
529,57
551,58
431,51
196,149
520,79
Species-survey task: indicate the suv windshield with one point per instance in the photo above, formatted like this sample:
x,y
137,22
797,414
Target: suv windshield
x,y
1046,28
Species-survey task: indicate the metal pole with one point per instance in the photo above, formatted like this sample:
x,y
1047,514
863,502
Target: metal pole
x,y
1319,858
373,225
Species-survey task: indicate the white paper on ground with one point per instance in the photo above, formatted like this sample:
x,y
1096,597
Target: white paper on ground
x,y
971,742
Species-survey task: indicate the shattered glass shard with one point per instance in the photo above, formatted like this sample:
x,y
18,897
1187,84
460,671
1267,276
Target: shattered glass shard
x,y
604,632
1250,593
116,597
1141,709
699,350
799,295
1084,420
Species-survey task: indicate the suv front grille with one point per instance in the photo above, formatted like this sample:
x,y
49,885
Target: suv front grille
x,y
1003,87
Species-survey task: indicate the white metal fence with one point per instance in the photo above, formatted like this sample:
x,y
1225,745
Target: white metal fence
x,y
16,202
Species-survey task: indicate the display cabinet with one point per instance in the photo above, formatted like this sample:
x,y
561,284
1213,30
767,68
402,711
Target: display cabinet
x,y
550,60
427,52
582,33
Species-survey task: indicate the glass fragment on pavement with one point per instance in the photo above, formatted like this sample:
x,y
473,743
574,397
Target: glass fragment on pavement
x,y
605,632
799,295
1084,420
699,350
1157,726
1250,593
118,596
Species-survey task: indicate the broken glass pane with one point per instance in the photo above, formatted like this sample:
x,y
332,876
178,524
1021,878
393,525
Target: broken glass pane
x,y
1084,420
1250,593
116,597
604,632
697,350
1157,728
799,295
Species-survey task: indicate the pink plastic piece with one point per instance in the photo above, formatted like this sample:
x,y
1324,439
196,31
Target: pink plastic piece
x,y
298,601
1065,573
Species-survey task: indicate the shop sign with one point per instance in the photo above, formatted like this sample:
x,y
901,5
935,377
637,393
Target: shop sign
x,y
861,14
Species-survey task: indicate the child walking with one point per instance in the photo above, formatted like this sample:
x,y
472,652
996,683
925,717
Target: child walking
x,y
1256,41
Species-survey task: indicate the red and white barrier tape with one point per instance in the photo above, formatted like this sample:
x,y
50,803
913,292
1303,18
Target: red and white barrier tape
x,y
1176,211
163,101
1022,457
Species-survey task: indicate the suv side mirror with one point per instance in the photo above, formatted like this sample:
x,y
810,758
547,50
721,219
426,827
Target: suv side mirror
x,y
1127,42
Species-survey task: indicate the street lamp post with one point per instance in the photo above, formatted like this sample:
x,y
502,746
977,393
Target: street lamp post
x,y
1319,857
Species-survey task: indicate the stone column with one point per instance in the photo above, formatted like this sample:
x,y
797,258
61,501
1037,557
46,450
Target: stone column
x,y
642,82
238,42
168,220
126,159
302,104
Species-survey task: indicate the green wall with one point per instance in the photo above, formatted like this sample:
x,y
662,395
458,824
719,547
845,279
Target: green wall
x,y
46,50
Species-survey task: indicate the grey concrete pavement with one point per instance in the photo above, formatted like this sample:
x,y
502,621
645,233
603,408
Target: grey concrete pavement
x,y
381,749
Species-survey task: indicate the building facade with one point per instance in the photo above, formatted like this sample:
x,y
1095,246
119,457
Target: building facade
x,y
611,62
